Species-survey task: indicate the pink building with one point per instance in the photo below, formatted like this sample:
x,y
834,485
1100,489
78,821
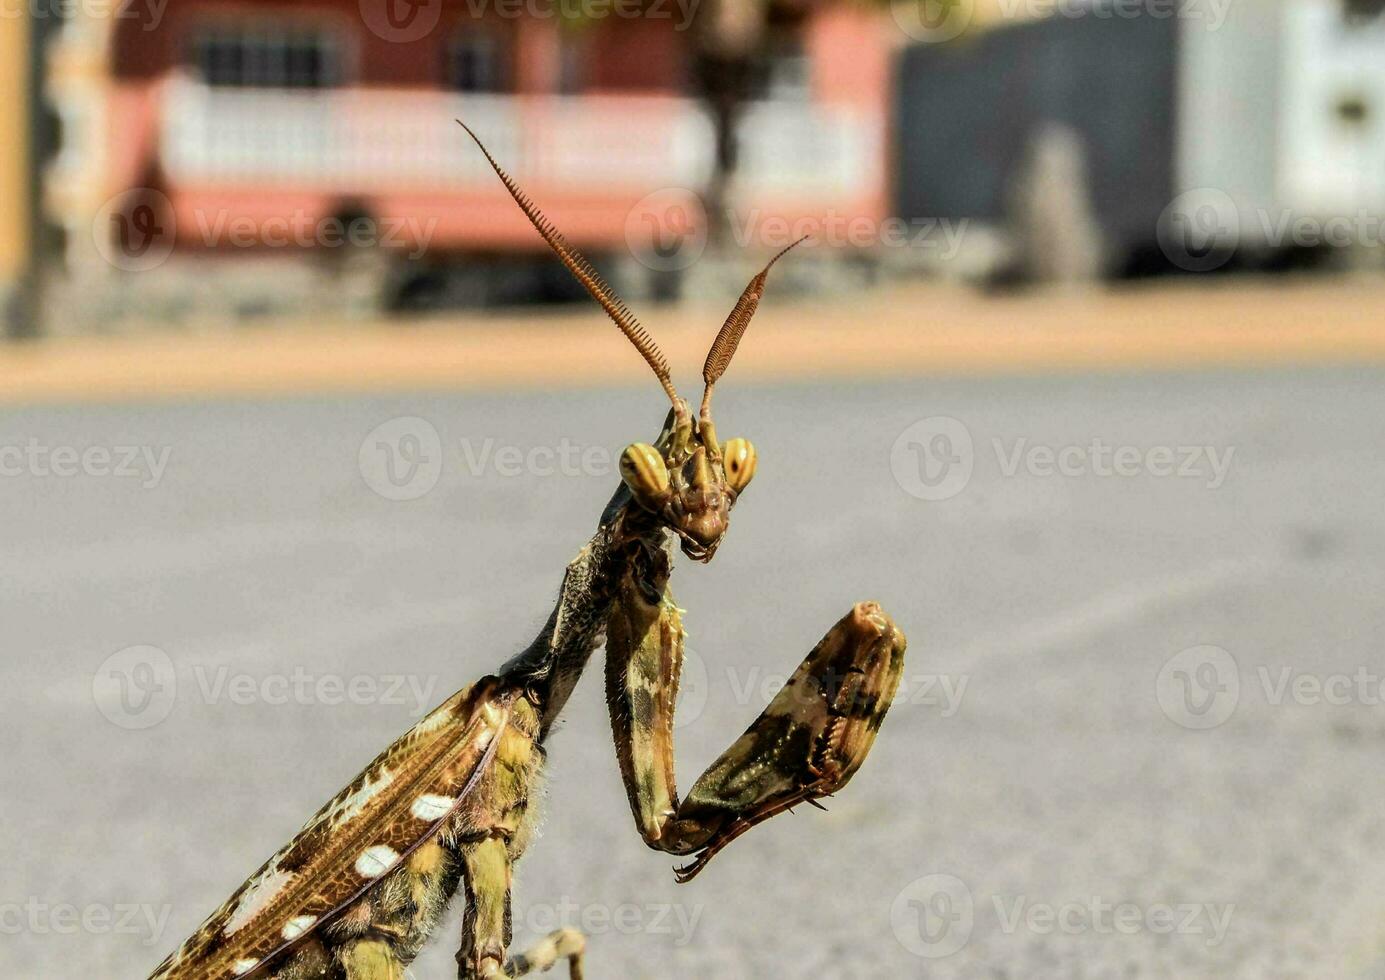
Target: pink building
x,y
252,110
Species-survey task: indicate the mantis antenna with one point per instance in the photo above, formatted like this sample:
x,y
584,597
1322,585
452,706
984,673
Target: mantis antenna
x,y
582,270
724,347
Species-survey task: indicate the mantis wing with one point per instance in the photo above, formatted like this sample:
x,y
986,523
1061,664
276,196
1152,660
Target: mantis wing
x,y
400,801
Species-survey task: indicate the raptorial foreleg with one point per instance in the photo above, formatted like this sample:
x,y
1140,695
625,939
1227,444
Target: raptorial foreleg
x,y
807,744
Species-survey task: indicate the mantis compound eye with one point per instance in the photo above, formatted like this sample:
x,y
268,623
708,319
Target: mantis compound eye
x,y
738,459
644,472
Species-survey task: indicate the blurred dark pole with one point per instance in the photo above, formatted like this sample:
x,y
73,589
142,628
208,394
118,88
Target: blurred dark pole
x,y
729,35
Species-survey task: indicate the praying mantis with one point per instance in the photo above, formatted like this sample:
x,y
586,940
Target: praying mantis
x,y
451,805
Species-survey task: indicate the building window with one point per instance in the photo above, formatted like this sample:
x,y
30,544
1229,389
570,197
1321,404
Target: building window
x,y
268,57
476,63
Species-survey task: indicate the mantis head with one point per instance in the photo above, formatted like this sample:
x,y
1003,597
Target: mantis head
x,y
688,480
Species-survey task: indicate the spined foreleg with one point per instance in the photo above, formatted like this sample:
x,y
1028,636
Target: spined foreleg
x,y
806,744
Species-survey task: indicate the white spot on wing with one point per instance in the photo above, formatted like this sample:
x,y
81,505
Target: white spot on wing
x,y
375,861
257,898
352,804
431,806
243,967
298,925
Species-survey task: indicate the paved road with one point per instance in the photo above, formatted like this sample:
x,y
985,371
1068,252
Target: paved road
x,y
1140,737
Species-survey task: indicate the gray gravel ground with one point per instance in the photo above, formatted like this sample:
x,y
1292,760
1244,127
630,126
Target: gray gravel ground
x,y
1060,816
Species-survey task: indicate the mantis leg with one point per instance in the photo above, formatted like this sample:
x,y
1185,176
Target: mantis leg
x,y
486,931
808,742
372,959
486,876
560,944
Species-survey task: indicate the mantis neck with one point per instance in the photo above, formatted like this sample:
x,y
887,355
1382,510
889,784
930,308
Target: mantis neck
x,y
627,542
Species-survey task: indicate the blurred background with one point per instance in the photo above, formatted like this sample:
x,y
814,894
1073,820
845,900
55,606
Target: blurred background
x,y
1079,373
211,162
